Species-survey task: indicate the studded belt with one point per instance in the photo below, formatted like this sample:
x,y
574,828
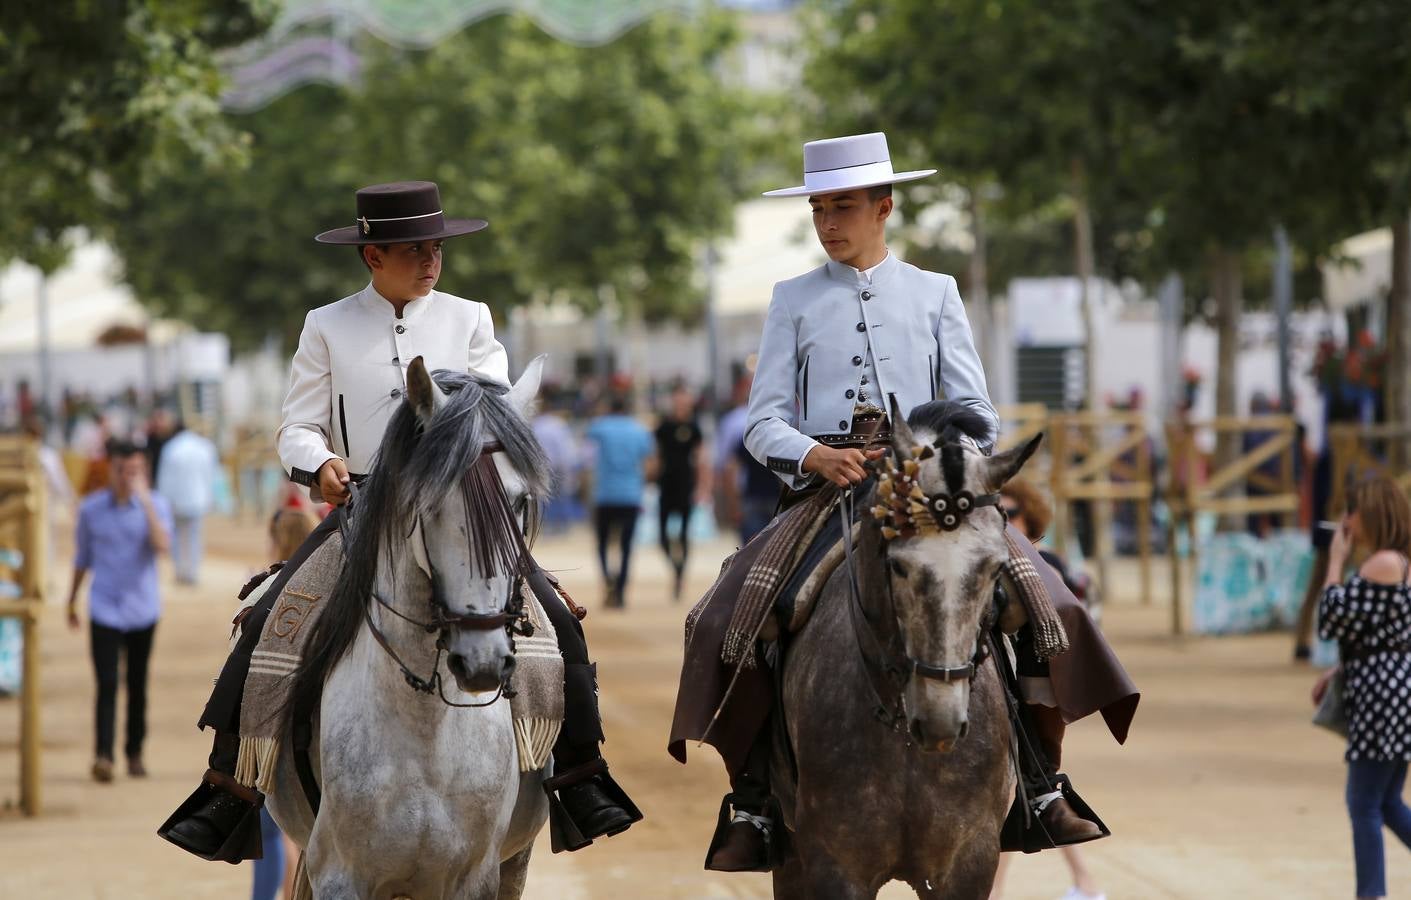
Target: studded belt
x,y
869,425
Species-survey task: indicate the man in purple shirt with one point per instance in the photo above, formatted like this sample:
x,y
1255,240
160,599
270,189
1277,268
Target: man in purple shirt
x,y
121,529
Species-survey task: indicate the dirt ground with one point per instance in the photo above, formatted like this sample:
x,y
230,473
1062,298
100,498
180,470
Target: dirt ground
x,y
1224,789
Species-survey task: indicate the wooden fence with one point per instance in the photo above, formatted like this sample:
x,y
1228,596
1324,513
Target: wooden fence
x,y
1197,485
1102,458
23,529
1364,451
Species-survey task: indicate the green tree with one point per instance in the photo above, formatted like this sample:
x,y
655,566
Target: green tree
x,y
1188,130
601,170
98,97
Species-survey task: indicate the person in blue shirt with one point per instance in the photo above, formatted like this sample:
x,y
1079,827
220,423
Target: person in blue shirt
x,y
121,530
625,454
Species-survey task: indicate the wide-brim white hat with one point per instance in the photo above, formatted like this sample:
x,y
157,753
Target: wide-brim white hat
x,y
846,164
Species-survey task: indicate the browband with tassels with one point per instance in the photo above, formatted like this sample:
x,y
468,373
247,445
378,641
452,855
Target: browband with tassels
x,y
908,511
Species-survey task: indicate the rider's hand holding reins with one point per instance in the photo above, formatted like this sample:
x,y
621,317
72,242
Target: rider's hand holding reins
x,y
842,466
333,481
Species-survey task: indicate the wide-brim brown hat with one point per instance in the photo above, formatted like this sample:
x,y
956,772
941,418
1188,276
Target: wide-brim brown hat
x,y
399,212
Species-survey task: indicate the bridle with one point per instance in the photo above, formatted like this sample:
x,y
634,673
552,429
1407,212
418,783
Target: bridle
x,y
909,511
511,616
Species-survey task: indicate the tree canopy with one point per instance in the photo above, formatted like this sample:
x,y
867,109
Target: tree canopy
x,y
97,98
600,169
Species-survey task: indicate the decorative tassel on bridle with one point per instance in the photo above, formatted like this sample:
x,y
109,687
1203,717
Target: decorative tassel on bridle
x,y
906,510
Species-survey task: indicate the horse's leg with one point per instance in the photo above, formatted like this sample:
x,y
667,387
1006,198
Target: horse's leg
x,y
481,884
818,878
340,885
972,877
513,873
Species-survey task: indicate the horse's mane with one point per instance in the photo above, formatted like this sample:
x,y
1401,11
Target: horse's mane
x,y
950,421
415,468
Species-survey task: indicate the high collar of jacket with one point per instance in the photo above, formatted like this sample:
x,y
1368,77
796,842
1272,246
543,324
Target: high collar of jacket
x,y
382,307
853,277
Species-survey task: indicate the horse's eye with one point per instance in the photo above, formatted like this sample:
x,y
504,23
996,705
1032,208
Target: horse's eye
x,y
898,569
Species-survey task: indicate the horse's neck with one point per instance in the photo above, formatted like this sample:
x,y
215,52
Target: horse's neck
x,y
410,597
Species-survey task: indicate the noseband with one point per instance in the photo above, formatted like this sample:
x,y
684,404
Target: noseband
x,y
511,616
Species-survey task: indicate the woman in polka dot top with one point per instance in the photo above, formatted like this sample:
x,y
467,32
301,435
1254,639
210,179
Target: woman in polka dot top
x,y
1370,617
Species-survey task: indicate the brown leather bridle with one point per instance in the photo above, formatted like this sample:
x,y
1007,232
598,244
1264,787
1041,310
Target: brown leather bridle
x,y
511,616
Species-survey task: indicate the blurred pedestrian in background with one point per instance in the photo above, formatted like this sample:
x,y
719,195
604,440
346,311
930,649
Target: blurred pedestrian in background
x,y
1370,617
683,479
747,491
1027,510
561,447
120,532
161,426
623,457
187,470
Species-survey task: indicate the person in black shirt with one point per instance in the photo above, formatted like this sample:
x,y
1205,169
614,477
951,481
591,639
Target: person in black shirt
x,y
679,480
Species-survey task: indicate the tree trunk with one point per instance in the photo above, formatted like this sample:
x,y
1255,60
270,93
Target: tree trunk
x,y
1398,325
1099,511
1227,286
978,297
1083,263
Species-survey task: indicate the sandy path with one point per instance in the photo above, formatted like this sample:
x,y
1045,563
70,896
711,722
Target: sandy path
x,y
1223,791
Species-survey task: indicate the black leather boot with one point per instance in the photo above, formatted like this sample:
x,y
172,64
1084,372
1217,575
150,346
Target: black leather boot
x,y
585,803
220,821
745,837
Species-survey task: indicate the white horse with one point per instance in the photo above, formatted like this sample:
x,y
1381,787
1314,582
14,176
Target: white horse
x,y
422,799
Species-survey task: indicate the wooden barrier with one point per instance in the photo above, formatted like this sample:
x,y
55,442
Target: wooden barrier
x,y
1195,485
1102,458
1019,422
23,528
1364,451
252,451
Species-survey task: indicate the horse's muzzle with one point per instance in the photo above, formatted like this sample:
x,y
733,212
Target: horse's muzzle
x,y
937,740
482,678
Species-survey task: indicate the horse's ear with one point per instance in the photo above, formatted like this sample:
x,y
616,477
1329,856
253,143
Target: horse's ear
x,y
422,392
903,441
525,392
1003,466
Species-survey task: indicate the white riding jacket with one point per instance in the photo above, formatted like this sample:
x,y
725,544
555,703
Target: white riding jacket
x,y
836,337
350,372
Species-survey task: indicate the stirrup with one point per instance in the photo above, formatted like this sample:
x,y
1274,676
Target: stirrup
x,y
1023,830
563,831
776,835
244,841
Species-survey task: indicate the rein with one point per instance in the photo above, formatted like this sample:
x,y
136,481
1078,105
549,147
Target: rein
x,y
511,616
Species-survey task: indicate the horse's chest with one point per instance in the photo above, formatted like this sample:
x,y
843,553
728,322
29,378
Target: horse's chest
x,y
439,774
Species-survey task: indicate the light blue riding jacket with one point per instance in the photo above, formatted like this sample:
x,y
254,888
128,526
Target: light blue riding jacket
x,y
826,330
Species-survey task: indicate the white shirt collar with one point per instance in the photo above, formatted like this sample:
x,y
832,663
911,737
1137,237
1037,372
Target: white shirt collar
x,y
381,305
866,274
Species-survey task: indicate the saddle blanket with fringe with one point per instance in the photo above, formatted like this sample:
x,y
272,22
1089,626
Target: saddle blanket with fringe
x,y
537,706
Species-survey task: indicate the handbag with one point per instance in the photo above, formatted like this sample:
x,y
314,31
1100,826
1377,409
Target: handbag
x,y
1332,710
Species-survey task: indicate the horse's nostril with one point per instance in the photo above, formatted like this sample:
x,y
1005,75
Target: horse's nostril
x,y
964,729
456,663
509,664
915,730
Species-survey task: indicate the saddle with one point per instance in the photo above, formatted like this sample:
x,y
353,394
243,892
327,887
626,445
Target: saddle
x,y
537,705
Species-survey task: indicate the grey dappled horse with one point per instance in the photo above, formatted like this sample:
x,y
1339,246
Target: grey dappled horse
x,y
421,799
923,804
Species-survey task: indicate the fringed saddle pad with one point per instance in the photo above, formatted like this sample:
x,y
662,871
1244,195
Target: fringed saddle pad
x,y
787,541
537,707
537,704
1050,638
